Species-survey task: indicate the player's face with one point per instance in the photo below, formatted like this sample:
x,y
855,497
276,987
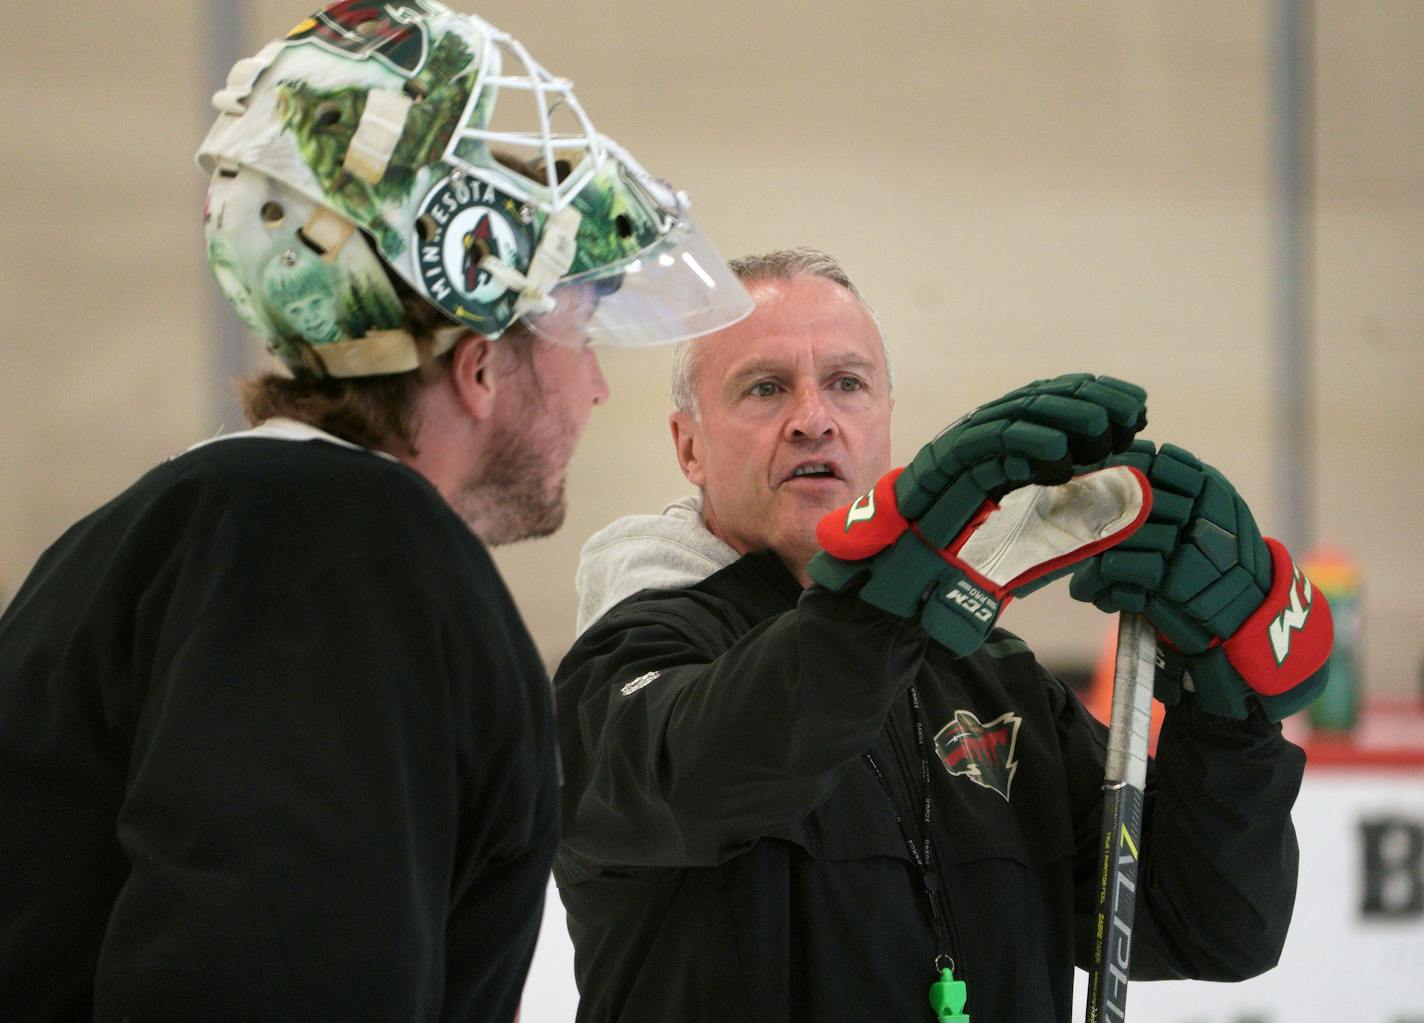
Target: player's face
x,y
800,384
544,409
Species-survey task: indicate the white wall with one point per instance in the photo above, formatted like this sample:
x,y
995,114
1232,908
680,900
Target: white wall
x,y
1021,188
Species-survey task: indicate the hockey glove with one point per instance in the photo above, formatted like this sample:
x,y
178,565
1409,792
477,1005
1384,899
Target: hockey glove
x,y
1036,435
1241,622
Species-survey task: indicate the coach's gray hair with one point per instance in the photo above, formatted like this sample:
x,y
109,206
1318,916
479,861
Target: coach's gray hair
x,y
781,265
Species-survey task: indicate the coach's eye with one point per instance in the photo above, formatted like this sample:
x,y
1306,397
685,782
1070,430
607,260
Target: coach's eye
x,y
764,389
850,384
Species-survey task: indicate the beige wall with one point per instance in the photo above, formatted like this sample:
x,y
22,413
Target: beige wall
x,y
1020,189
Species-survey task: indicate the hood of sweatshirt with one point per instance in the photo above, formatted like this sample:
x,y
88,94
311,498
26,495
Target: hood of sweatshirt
x,y
670,550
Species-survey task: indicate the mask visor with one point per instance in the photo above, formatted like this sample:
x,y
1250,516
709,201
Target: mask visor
x,y
673,291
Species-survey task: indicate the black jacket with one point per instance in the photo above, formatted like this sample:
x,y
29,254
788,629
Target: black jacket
x,y
730,852
274,745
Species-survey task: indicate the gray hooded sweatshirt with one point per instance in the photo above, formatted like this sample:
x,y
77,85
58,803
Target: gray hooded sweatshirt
x,y
671,550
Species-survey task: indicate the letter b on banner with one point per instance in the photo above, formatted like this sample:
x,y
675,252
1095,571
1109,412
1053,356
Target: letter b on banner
x,y
1393,868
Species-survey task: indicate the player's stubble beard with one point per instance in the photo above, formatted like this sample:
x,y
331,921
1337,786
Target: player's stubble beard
x,y
519,494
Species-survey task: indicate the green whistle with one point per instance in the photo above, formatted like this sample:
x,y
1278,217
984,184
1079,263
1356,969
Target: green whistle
x,y
947,998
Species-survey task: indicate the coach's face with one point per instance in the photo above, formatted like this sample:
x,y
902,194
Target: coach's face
x,y
794,417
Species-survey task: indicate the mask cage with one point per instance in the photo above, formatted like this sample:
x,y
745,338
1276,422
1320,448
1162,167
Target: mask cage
x,y
544,147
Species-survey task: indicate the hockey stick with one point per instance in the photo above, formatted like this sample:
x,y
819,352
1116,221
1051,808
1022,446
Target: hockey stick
x,y
1123,781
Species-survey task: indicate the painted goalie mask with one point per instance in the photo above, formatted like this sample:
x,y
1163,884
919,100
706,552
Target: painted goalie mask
x,y
368,136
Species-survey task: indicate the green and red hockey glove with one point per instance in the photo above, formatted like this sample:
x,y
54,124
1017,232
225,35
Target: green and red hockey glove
x,y
1241,622
904,542
1009,548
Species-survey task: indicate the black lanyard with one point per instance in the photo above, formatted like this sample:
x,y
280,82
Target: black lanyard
x,y
921,851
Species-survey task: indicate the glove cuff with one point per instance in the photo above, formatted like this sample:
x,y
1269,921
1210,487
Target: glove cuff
x,y
1288,638
867,525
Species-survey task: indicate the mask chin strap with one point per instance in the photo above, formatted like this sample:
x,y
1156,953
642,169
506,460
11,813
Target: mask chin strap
x,y
551,260
378,353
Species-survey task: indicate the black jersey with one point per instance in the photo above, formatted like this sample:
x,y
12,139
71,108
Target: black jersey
x,y
746,772
274,744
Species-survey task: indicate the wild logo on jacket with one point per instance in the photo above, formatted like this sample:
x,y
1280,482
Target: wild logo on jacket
x,y
983,753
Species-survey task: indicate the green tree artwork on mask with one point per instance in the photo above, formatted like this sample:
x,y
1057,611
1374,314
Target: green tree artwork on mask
x,y
370,308
602,239
323,122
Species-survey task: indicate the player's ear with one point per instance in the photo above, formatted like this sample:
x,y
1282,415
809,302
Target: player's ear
x,y
474,375
687,442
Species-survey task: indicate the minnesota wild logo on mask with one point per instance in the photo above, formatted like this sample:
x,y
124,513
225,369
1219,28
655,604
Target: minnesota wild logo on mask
x,y
362,149
462,221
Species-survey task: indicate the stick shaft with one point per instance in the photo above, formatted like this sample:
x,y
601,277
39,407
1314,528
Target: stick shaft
x,y
1124,778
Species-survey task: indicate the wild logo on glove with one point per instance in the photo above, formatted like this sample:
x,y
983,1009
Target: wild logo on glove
x,y
1293,617
982,753
861,510
867,525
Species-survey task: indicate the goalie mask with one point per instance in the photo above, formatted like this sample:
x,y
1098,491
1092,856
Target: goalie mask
x,y
367,137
